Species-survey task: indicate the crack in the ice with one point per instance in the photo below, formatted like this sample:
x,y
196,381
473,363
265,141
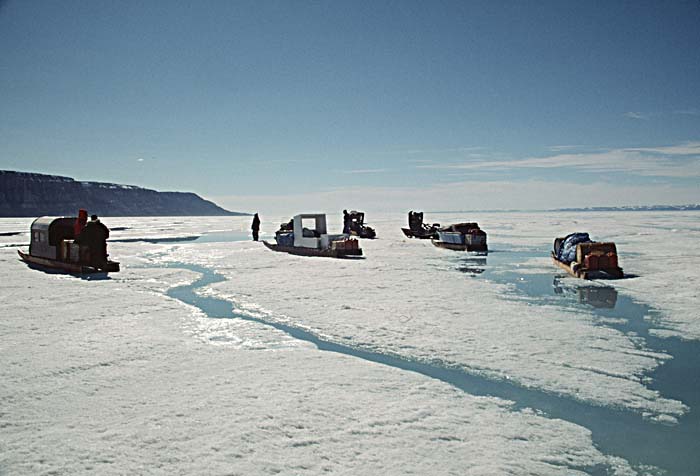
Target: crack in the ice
x,y
611,427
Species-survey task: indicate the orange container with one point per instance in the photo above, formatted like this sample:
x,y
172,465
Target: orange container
x,y
603,262
591,262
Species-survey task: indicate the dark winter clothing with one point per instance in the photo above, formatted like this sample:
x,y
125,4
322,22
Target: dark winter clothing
x,y
94,236
255,227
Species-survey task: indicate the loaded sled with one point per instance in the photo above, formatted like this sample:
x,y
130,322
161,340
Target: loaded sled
x,y
306,235
53,245
583,258
461,237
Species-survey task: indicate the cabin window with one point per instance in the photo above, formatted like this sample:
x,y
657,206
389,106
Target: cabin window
x,y
37,237
309,229
308,226
309,223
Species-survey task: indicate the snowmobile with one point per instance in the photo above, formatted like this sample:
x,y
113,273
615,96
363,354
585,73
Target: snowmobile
x,y
418,229
357,225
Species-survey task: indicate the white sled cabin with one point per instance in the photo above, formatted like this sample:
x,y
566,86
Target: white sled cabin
x,y
48,234
307,235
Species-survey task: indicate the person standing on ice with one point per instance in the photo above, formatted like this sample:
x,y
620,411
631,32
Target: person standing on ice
x,y
94,236
255,227
346,222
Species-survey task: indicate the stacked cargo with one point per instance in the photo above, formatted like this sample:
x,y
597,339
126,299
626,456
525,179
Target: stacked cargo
x,y
585,258
600,261
345,245
597,256
69,251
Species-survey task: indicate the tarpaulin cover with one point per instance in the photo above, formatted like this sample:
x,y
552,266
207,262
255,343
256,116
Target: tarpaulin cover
x,y
285,239
567,251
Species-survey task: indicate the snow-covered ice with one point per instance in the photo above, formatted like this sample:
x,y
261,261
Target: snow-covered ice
x,y
401,301
113,376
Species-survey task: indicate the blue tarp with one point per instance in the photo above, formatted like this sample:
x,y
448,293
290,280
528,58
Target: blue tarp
x,y
285,239
567,250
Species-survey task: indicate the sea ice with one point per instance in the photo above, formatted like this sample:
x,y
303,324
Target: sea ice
x,y
401,301
111,376
105,377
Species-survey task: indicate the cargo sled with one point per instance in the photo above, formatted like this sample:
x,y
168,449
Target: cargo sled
x,y
461,237
582,258
53,246
306,235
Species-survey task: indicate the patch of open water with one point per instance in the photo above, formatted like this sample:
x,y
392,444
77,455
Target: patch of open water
x,y
677,378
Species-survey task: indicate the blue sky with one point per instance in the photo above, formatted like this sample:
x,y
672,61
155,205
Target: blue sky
x,y
382,105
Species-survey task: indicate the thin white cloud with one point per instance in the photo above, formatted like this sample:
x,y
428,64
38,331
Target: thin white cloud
x,y
139,159
363,171
560,148
277,162
637,115
467,195
459,188
675,161
420,161
440,150
688,112
687,148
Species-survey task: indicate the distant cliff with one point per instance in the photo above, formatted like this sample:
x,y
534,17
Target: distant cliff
x,y
25,194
